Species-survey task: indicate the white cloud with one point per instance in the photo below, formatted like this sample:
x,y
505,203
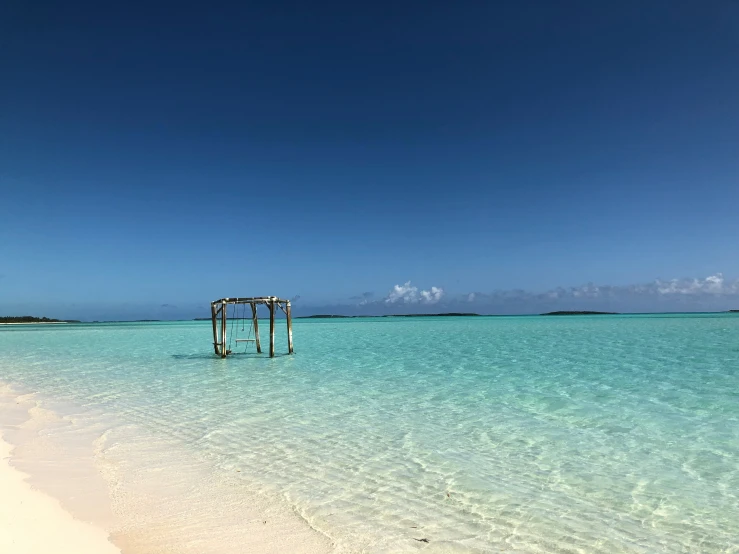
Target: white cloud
x,y
402,293
432,296
471,297
408,294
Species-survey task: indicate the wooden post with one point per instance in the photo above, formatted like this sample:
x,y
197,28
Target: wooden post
x,y
288,313
215,327
271,327
255,319
224,311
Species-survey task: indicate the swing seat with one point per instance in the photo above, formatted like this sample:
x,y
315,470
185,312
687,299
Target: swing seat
x,y
246,340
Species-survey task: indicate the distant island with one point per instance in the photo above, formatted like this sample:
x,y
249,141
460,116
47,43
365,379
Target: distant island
x,y
450,314
334,316
580,313
734,311
31,319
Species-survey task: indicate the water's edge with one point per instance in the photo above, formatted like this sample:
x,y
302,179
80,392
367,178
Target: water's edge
x,y
134,485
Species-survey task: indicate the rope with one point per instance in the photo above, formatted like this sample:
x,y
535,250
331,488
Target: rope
x,y
231,338
251,328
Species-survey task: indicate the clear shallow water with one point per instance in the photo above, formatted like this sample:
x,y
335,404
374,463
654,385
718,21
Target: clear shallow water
x,y
531,434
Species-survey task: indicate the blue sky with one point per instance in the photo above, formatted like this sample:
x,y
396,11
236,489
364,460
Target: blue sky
x,y
156,156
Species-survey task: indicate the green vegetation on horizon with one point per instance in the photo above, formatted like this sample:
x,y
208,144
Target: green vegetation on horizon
x,y
32,319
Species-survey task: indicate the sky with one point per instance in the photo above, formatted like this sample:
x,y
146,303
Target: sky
x,y
366,158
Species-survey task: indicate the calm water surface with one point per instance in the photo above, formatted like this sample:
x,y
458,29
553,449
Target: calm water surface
x,y
530,434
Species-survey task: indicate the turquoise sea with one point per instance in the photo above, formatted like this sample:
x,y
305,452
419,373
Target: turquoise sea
x,y
478,434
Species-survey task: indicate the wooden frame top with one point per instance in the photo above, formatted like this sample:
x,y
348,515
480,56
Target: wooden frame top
x,y
249,300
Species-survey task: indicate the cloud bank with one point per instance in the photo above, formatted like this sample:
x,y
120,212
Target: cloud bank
x,y
712,293
712,286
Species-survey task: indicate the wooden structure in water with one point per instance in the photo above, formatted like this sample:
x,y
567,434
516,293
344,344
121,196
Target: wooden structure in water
x,y
219,314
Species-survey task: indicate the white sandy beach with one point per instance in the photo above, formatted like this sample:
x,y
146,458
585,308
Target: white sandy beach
x,y
32,522
67,490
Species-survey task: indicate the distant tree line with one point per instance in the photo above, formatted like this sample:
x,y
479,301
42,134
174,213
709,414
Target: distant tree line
x,y
31,319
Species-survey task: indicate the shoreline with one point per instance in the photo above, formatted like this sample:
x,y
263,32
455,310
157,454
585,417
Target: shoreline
x,y
25,511
119,489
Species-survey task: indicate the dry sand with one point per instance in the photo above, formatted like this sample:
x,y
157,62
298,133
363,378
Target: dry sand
x,y
34,523
71,486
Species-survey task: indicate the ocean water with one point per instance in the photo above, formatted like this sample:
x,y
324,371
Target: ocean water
x,y
488,434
